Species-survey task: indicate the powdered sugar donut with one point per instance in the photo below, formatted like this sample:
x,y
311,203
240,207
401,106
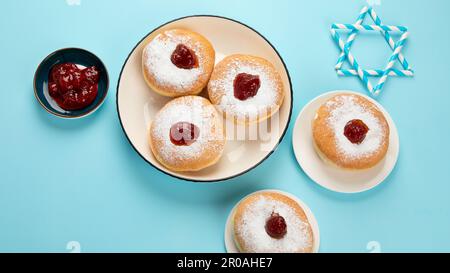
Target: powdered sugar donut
x,y
271,222
350,132
187,134
246,88
178,62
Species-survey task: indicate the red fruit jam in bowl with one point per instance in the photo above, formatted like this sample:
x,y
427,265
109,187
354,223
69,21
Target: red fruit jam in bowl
x,y
72,87
71,83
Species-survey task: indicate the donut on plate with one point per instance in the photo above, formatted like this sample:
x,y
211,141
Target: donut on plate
x,y
178,62
187,134
271,222
246,88
350,132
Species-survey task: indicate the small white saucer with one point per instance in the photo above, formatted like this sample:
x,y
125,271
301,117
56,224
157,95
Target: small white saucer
x,y
230,246
328,176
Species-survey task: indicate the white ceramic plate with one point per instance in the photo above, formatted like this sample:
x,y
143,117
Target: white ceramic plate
x,y
230,245
137,104
328,176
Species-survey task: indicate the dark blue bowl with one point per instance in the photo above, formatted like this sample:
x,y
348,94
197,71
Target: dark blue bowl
x,y
73,55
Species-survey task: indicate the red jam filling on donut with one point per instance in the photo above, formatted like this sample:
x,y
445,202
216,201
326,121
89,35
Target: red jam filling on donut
x,y
73,88
184,133
246,86
276,226
356,130
184,58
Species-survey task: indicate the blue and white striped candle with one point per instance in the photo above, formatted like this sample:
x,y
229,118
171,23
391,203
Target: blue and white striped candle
x,y
389,39
398,48
353,62
393,72
351,37
369,27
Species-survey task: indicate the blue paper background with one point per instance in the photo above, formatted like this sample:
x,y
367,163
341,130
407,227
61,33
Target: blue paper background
x,y
80,180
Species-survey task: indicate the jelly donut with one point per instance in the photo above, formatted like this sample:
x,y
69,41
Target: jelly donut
x,y
350,132
178,62
246,89
271,222
187,134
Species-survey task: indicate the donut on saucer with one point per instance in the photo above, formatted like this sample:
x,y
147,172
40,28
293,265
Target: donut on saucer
x,y
350,132
178,62
271,222
187,134
246,88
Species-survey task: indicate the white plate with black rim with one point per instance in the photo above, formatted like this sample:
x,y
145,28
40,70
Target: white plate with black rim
x,y
137,104
328,176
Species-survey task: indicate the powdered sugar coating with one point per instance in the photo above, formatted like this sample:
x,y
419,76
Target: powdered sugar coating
x,y
252,227
158,61
198,111
343,109
221,88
